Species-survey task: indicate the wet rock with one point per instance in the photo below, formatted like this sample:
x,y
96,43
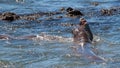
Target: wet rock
x,y
106,11
62,9
9,16
35,16
31,17
74,13
69,9
113,9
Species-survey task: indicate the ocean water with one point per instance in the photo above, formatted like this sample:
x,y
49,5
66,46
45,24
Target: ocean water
x,y
53,54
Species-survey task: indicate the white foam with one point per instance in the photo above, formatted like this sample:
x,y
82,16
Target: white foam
x,y
53,38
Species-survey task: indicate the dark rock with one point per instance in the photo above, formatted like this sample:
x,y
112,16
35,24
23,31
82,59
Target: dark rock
x,y
69,9
31,17
113,9
74,13
9,16
106,12
62,9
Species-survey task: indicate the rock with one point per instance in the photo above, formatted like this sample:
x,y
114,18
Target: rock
x,y
69,9
74,13
106,12
9,16
62,9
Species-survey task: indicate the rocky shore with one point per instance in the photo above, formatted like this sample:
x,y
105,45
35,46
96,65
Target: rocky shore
x,y
61,13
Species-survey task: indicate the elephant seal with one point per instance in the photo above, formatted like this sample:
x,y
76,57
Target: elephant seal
x,y
82,37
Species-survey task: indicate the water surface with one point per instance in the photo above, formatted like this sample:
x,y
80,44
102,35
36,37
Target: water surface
x,y
44,54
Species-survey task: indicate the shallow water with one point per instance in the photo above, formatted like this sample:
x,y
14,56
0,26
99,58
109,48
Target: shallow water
x,y
44,54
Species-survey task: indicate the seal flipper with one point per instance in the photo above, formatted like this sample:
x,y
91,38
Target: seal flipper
x,y
89,54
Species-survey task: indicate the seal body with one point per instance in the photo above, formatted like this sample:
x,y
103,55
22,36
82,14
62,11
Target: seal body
x,y
83,45
80,35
